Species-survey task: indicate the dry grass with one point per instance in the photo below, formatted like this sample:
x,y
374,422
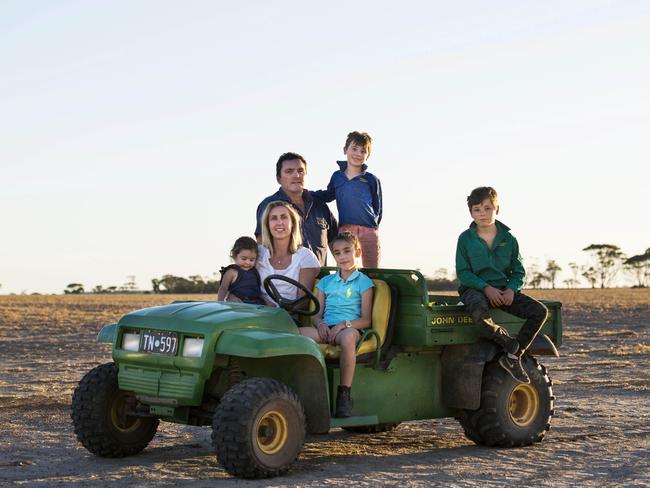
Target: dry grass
x,y
600,435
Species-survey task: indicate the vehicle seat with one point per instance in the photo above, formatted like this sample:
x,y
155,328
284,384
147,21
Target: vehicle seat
x,y
380,321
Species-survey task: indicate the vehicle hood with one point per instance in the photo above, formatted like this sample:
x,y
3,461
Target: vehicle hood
x,y
206,317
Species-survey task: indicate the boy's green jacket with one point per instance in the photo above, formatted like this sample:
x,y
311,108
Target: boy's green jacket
x,y
477,266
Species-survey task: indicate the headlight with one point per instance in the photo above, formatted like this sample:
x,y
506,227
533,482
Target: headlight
x,y
192,347
130,341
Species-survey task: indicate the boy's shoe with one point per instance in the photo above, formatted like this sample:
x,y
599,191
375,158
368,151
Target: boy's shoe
x,y
343,402
514,368
507,343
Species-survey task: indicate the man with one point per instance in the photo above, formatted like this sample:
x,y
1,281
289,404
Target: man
x,y
318,224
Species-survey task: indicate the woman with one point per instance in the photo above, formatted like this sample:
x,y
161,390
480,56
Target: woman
x,y
282,253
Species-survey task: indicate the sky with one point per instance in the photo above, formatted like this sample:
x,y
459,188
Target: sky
x,y
138,137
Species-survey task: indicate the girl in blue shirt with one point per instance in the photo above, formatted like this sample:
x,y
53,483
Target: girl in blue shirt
x,y
346,308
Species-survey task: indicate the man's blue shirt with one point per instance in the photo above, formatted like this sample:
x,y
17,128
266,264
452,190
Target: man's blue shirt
x,y
318,225
359,200
343,297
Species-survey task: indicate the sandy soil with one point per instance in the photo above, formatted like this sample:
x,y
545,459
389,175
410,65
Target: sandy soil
x,y
600,434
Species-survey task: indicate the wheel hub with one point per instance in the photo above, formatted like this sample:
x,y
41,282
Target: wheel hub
x,y
272,432
523,405
119,414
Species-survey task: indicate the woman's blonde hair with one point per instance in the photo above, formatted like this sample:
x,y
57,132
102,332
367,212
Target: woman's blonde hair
x,y
295,240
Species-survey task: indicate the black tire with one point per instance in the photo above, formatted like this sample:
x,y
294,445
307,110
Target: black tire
x,y
99,420
511,414
371,429
258,428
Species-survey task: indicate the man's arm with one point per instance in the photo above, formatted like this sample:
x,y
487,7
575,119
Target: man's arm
x,y
326,195
333,225
258,220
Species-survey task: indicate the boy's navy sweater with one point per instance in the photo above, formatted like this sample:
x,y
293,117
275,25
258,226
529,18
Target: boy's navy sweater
x,y
359,200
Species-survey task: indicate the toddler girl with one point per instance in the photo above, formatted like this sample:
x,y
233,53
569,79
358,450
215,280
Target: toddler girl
x,y
240,282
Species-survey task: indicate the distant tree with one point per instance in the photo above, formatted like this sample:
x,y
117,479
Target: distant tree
x,y
590,275
99,289
441,282
639,267
570,282
155,285
178,284
575,269
552,268
608,261
537,279
111,289
74,288
130,285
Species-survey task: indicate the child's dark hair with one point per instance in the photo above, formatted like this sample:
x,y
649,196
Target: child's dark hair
x,y
482,193
241,244
360,139
348,237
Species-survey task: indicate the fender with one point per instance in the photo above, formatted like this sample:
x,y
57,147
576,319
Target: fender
x,y
107,333
291,358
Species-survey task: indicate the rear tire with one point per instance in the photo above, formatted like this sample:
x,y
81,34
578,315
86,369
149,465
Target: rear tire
x,y
372,429
258,429
99,416
511,414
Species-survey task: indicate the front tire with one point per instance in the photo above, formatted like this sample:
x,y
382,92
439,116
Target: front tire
x,y
511,414
99,415
258,429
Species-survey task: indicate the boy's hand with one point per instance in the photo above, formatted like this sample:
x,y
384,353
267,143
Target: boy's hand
x,y
494,295
507,296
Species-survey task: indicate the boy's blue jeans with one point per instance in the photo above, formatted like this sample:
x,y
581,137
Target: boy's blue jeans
x,y
523,306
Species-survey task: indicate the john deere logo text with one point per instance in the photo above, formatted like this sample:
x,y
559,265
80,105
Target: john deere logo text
x,y
463,319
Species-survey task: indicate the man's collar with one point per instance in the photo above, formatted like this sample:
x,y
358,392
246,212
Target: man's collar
x,y
306,195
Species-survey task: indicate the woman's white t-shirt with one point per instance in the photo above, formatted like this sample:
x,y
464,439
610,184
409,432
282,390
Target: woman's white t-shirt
x,y
302,258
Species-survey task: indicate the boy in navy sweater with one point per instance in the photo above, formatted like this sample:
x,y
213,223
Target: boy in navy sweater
x,y
358,197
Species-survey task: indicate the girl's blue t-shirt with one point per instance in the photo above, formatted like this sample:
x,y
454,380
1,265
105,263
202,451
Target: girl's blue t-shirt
x,y
343,297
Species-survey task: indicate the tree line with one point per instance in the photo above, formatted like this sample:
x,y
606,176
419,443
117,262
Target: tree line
x,y
607,262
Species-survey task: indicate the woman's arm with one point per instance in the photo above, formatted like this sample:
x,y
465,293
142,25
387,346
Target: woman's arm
x,y
228,277
317,320
306,277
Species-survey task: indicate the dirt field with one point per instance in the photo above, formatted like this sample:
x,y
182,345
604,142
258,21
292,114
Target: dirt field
x,y
600,435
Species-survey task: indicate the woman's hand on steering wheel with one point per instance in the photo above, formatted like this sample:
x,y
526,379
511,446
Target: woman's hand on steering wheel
x,y
287,304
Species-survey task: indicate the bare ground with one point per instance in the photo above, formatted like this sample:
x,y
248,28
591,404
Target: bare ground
x,y
600,434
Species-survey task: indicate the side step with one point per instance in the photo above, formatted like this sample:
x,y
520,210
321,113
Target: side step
x,y
353,421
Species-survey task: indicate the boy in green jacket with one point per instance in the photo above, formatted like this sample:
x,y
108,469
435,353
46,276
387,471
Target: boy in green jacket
x,y
491,274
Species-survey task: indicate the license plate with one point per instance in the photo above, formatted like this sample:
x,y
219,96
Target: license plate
x,y
159,342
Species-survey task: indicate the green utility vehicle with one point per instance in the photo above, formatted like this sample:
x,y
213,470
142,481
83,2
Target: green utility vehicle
x,y
245,370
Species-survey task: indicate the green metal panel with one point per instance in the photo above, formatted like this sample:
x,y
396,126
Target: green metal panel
x,y
408,390
183,378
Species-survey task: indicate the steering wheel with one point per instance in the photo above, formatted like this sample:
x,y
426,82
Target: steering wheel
x,y
291,305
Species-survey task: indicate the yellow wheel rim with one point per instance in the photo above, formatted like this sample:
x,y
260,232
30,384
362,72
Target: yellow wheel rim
x,y
272,432
524,405
120,420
